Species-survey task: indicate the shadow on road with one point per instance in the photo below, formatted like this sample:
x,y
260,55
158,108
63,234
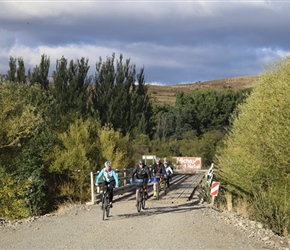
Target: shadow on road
x,y
150,211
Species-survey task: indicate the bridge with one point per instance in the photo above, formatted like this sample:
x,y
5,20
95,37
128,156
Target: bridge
x,y
187,183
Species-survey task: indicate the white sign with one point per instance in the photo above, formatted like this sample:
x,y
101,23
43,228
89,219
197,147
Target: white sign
x,y
149,157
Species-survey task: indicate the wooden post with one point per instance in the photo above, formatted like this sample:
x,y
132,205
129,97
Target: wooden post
x,y
212,200
93,188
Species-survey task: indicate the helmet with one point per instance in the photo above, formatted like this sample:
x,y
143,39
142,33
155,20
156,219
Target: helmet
x,y
142,162
166,162
157,159
108,164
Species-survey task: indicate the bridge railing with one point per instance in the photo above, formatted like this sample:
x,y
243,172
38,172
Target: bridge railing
x,y
124,176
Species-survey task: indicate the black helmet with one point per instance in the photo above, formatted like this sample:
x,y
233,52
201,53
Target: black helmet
x,y
142,162
166,162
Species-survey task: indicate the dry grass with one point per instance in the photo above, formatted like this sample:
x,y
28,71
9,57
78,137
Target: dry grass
x,y
167,94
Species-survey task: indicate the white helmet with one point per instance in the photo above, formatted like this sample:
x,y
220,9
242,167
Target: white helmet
x,y
108,164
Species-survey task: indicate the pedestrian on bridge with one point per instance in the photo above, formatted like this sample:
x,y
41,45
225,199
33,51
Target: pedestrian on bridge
x,y
109,177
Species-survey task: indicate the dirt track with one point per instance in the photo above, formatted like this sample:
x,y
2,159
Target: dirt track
x,y
168,223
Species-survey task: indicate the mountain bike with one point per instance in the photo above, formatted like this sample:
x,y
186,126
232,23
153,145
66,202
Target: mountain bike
x,y
105,201
156,179
140,194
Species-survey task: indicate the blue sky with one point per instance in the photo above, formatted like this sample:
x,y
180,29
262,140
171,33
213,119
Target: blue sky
x,y
175,41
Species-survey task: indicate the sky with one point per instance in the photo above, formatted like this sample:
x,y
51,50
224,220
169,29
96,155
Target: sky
x,y
175,41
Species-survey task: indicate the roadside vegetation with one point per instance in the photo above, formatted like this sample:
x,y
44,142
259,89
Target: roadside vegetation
x,y
54,134
254,160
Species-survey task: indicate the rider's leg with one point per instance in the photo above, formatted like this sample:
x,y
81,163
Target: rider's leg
x,y
145,186
154,189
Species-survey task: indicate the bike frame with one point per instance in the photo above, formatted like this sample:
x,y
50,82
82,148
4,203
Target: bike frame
x,y
156,179
105,202
140,195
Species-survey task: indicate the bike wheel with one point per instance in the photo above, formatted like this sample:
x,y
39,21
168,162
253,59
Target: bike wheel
x,y
143,200
108,208
138,201
105,205
157,190
165,186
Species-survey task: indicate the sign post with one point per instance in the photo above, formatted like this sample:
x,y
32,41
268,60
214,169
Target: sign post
x,y
214,190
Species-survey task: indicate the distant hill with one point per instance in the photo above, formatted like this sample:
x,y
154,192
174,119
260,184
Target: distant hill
x,y
167,94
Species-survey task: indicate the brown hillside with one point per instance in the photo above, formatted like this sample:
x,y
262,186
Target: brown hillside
x,y
167,94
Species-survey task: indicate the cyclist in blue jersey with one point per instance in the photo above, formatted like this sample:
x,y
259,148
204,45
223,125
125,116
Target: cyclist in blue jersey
x,y
109,177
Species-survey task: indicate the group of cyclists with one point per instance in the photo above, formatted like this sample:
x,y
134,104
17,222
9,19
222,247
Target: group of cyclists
x,y
141,171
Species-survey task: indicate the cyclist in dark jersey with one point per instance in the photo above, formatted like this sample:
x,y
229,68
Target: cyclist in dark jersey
x,y
158,168
142,172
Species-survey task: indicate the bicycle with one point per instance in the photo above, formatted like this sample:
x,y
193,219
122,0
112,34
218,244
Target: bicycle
x,y
156,179
105,201
140,194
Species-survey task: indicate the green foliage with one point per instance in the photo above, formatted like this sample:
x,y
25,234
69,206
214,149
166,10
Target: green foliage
x,y
256,158
12,197
20,73
18,117
11,74
70,89
77,154
141,145
40,73
114,147
32,167
118,99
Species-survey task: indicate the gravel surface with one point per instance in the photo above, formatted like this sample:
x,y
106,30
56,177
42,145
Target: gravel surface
x,y
165,224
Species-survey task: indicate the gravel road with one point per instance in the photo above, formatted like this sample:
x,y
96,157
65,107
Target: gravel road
x,y
165,224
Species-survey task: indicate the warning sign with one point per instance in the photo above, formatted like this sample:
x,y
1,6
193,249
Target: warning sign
x,y
214,188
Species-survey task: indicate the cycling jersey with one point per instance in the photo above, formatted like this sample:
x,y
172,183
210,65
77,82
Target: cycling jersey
x,y
169,170
141,173
158,168
108,176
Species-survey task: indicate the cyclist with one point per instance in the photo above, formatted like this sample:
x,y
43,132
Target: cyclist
x,y
109,177
142,172
158,168
169,172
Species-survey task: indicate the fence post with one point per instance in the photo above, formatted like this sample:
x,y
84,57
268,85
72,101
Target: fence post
x,y
93,188
125,175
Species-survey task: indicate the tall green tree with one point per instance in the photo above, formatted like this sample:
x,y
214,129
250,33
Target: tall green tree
x,y
12,70
20,74
121,97
40,72
71,90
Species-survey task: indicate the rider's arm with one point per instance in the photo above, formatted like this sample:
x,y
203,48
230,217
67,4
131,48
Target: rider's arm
x,y
133,173
163,169
99,176
148,172
116,178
